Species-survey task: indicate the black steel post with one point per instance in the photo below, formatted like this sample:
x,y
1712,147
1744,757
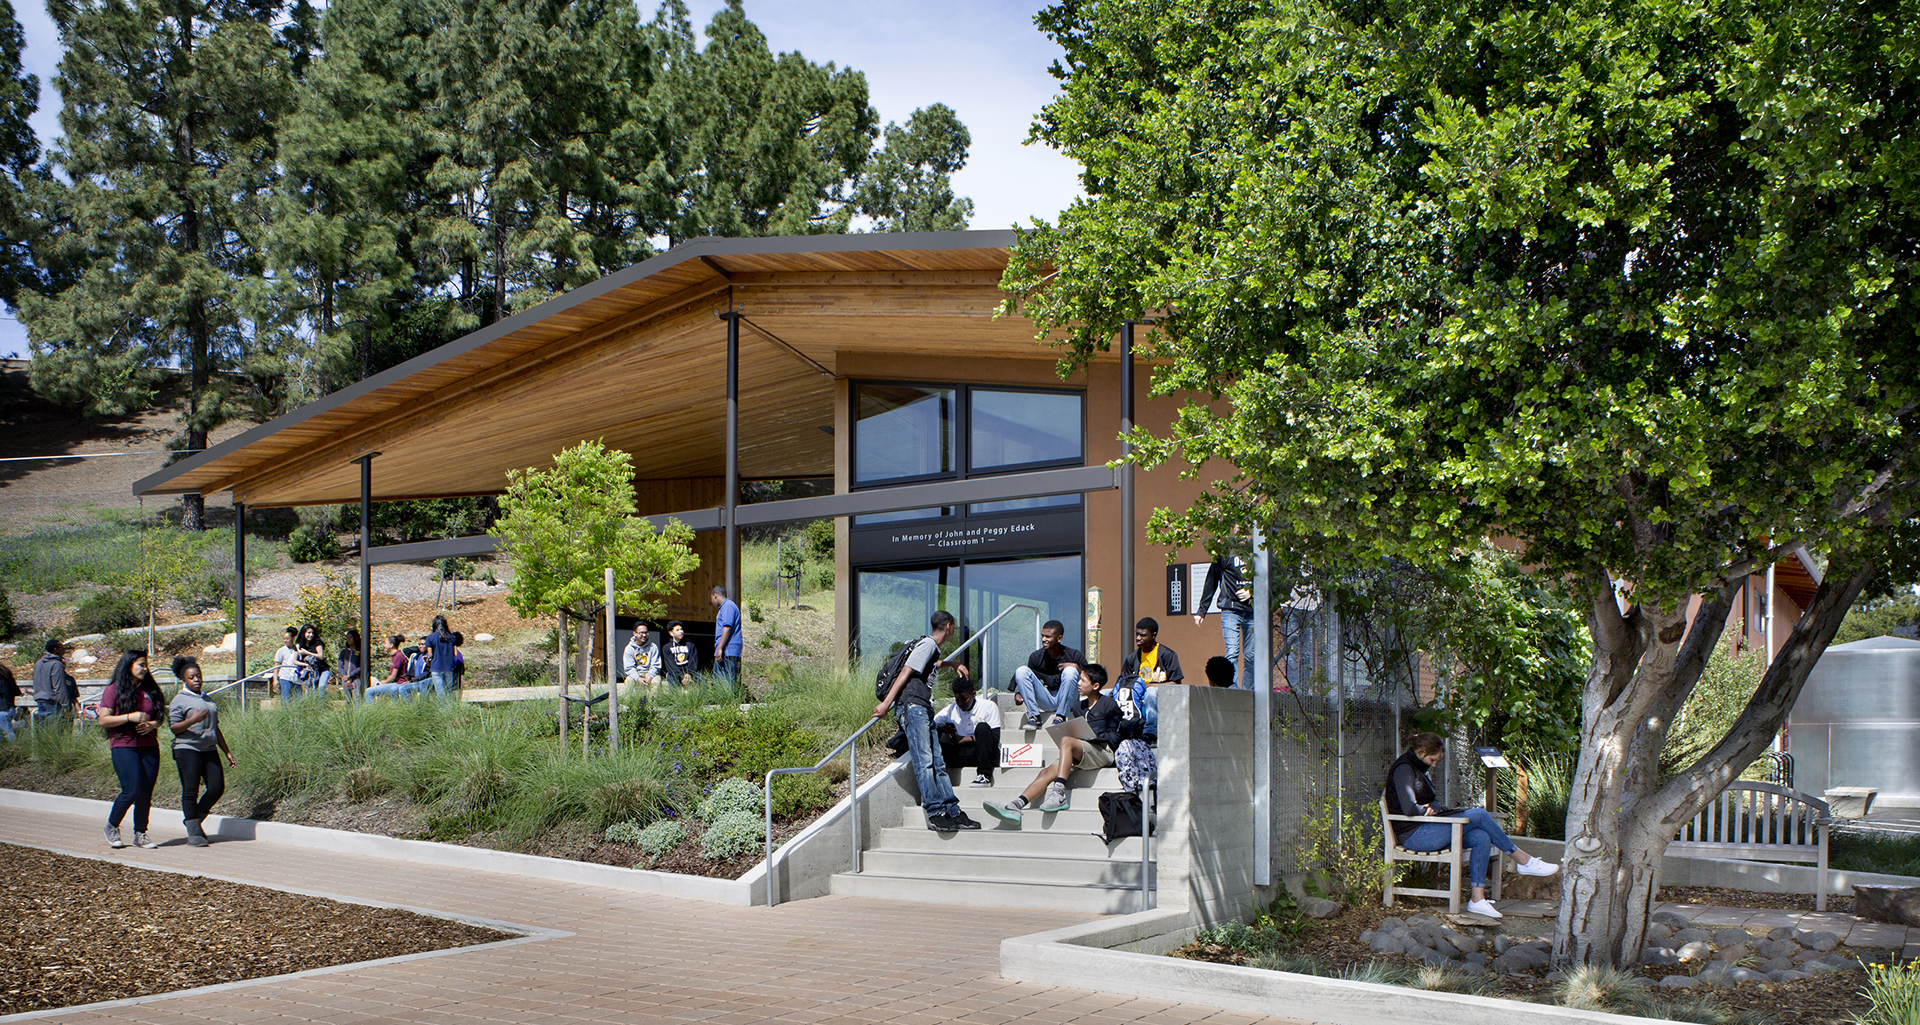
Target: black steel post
x,y
732,502
240,596
366,573
1127,526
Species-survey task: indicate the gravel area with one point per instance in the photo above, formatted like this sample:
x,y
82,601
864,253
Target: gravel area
x,y
80,931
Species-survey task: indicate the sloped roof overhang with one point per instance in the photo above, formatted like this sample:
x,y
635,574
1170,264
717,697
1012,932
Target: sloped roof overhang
x,y
637,358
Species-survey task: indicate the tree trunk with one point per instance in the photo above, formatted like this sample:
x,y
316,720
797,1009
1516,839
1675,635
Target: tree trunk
x,y
583,653
1620,816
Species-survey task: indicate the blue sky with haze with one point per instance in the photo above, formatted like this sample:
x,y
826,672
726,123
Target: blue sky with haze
x,y
983,58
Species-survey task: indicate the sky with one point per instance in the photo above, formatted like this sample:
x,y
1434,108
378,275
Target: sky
x,y
983,58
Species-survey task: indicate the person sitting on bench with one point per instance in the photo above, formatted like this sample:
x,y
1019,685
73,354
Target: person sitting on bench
x,y
1410,792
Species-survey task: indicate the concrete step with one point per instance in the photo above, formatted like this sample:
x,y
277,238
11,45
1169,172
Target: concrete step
x,y
1073,869
1032,843
1096,898
1083,817
1016,780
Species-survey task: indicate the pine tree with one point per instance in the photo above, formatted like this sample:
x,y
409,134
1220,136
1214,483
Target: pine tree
x,y
167,157
908,185
19,152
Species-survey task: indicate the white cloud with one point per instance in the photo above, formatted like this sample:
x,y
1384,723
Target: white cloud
x,y
983,58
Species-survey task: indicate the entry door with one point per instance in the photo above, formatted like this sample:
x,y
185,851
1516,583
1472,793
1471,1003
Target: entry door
x,y
893,606
1051,584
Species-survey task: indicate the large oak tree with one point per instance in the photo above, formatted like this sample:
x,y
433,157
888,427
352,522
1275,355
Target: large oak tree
x,y
1630,281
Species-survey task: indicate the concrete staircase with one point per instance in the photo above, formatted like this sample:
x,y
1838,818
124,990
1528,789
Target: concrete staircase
x,y
1054,860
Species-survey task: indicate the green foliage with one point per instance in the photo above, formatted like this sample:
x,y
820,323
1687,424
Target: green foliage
x,y
733,835
311,544
1600,988
332,607
63,749
1883,853
627,832
7,624
732,794
563,527
19,153
1878,617
106,611
1725,685
54,560
1549,787
1893,994
165,567
661,837
1340,854
801,793
908,184
756,612
817,536
724,741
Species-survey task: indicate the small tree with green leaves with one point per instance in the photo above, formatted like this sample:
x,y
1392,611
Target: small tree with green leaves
x,y
563,527
166,567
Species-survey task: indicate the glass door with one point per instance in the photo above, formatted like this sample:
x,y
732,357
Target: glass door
x,y
1052,584
892,606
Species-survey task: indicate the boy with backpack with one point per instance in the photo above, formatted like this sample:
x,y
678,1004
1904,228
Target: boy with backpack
x,y
905,685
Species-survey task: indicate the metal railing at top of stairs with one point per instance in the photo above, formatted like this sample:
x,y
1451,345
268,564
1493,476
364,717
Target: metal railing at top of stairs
x,y
853,798
240,683
1147,793
853,755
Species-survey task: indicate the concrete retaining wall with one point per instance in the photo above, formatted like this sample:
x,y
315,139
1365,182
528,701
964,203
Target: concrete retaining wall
x,y
1734,874
1204,848
806,864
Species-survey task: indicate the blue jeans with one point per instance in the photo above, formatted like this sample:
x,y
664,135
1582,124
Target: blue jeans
x,y
1039,699
929,765
6,721
1236,635
318,687
442,683
289,689
137,768
1480,833
727,667
44,709
396,690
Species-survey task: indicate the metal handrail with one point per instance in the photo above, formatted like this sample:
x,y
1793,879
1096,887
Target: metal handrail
x,y
853,771
1146,844
853,797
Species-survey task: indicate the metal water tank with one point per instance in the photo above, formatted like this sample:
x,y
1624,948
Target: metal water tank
x,y
1857,723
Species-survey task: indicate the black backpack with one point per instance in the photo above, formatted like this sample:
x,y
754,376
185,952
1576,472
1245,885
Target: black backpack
x,y
890,670
1120,815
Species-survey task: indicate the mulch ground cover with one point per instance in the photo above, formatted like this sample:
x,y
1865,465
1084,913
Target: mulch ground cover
x,y
1819,1000
79,931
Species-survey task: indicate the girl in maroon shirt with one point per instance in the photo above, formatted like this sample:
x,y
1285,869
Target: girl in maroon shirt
x,y
129,708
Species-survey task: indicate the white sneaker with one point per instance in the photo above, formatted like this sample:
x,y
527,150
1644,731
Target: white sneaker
x,y
1483,907
981,781
1538,867
1056,798
140,840
113,837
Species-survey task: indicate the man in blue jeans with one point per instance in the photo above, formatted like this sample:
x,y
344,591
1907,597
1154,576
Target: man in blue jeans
x,y
1228,578
1050,679
912,693
727,643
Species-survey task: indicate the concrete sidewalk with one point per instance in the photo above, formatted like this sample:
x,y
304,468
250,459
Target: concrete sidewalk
x,y
628,957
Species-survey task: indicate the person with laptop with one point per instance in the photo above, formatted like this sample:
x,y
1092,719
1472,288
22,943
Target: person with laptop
x,y
1086,743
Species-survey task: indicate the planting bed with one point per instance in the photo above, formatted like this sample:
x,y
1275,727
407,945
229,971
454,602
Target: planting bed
x,y
1335,946
80,931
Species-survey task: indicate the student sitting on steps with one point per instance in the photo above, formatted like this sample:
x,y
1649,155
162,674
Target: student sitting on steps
x,y
1109,725
969,731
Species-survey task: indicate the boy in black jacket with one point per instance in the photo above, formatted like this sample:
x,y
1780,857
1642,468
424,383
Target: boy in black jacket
x,y
1110,726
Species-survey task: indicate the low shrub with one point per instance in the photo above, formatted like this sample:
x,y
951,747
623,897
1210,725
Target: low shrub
x,y
627,832
1893,994
1885,853
7,625
364,784
733,835
724,741
104,612
656,840
306,544
800,794
730,795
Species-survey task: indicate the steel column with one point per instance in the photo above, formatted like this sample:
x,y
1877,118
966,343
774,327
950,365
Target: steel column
x,y
240,598
366,572
732,501
1127,527
1262,712
613,676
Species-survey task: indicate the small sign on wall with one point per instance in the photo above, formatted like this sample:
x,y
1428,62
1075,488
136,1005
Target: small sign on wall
x,y
1020,756
1176,590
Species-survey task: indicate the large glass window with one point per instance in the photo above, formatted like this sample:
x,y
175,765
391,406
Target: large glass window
x,y
903,431
1017,428
903,516
893,604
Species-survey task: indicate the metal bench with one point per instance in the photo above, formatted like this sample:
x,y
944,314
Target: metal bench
x,y
1454,855
1761,822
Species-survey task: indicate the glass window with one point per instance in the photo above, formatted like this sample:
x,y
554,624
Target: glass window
x,y
1012,428
1019,504
903,431
893,606
903,516
1050,584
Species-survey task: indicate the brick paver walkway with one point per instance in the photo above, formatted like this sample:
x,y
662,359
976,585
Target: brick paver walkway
x,y
630,957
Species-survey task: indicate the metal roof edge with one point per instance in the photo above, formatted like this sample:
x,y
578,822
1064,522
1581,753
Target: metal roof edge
x,y
997,238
